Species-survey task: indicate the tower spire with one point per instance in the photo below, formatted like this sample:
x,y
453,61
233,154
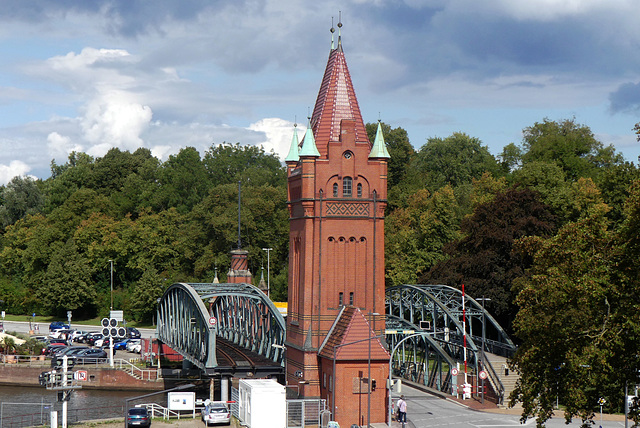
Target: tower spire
x,y
309,147
294,150
379,148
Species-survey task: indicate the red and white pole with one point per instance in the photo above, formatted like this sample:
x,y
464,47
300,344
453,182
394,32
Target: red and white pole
x,y
464,335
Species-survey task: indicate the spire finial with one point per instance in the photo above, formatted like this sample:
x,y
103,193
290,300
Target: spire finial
x,y
333,30
339,29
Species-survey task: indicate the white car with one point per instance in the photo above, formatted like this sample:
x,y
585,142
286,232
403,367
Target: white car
x,y
76,334
132,343
215,412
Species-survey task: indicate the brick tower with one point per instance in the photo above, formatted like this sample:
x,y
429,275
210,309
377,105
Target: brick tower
x,y
337,191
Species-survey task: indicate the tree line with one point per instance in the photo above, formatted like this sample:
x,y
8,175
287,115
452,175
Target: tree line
x,y
547,230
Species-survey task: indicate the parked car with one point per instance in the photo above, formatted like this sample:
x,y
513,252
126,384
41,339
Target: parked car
x,y
50,349
138,417
105,342
57,325
121,345
216,412
92,337
132,343
92,355
69,350
61,333
133,333
76,334
83,337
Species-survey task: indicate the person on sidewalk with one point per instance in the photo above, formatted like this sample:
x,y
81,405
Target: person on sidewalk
x,y
402,410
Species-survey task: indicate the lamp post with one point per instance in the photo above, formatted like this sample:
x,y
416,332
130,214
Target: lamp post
x,y
268,273
333,389
111,307
483,299
395,348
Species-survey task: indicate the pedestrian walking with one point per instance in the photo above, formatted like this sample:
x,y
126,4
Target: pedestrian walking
x,y
402,410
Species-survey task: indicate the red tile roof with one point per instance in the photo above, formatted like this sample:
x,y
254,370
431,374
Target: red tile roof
x,y
336,101
352,326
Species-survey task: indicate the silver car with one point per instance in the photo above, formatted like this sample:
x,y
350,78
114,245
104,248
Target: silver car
x,y
216,412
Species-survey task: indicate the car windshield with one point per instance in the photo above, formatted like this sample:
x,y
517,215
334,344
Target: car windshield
x,y
218,409
138,411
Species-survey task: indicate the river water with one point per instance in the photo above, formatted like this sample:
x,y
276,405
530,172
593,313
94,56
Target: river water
x,y
29,406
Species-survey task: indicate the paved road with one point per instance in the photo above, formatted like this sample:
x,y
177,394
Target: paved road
x,y
424,410
23,327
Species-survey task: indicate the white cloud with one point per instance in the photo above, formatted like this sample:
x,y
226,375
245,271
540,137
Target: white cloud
x,y
60,146
114,120
278,133
15,168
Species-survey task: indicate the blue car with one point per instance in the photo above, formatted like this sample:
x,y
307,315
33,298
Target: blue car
x,y
122,345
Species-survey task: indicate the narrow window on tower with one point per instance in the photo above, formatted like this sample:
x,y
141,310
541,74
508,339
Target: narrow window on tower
x,y
351,298
335,190
346,187
359,190
341,299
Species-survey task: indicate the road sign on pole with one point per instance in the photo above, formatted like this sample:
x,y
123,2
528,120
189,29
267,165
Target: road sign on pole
x,y
212,321
482,374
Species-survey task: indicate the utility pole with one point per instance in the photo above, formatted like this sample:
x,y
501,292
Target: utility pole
x,y
268,272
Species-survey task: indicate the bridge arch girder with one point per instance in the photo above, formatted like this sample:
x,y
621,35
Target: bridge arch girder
x,y
183,324
246,317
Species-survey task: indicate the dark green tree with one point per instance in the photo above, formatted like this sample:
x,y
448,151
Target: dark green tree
x,y
20,197
569,321
454,160
229,163
484,259
569,145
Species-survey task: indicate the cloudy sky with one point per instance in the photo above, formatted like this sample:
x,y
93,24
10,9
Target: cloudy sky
x,y
166,74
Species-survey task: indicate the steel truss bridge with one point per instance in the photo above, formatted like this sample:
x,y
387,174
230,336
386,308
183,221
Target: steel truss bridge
x,y
199,320
447,339
246,319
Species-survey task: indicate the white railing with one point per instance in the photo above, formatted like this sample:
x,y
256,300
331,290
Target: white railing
x,y
157,411
143,374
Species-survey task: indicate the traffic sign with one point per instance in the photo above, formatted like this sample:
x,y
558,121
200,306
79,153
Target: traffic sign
x,y
212,321
482,374
80,375
454,372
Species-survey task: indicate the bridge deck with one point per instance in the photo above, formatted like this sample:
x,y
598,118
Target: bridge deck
x,y
233,360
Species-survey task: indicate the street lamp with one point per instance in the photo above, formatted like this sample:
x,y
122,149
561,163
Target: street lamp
x,y
395,348
268,274
333,380
111,307
483,299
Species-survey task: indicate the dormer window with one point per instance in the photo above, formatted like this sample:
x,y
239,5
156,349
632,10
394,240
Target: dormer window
x,y
347,187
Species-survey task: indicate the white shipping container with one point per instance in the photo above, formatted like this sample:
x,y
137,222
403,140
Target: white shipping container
x,y
262,403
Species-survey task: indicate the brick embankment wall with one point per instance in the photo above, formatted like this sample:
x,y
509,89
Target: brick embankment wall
x,y
97,377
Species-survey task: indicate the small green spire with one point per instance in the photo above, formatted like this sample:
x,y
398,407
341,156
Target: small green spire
x,y
293,155
309,143
379,148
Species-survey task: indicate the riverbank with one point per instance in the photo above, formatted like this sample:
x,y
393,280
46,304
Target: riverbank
x,y
27,374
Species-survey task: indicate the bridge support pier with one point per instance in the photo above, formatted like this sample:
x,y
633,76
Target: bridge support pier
x,y
224,388
212,389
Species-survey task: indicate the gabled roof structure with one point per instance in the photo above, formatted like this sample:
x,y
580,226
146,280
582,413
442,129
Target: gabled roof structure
x,y
336,101
351,326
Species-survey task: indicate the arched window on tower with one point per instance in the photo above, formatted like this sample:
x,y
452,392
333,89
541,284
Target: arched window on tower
x,y
347,187
335,190
359,187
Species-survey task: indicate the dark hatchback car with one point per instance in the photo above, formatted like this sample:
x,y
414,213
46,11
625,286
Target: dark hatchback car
x,y
138,417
